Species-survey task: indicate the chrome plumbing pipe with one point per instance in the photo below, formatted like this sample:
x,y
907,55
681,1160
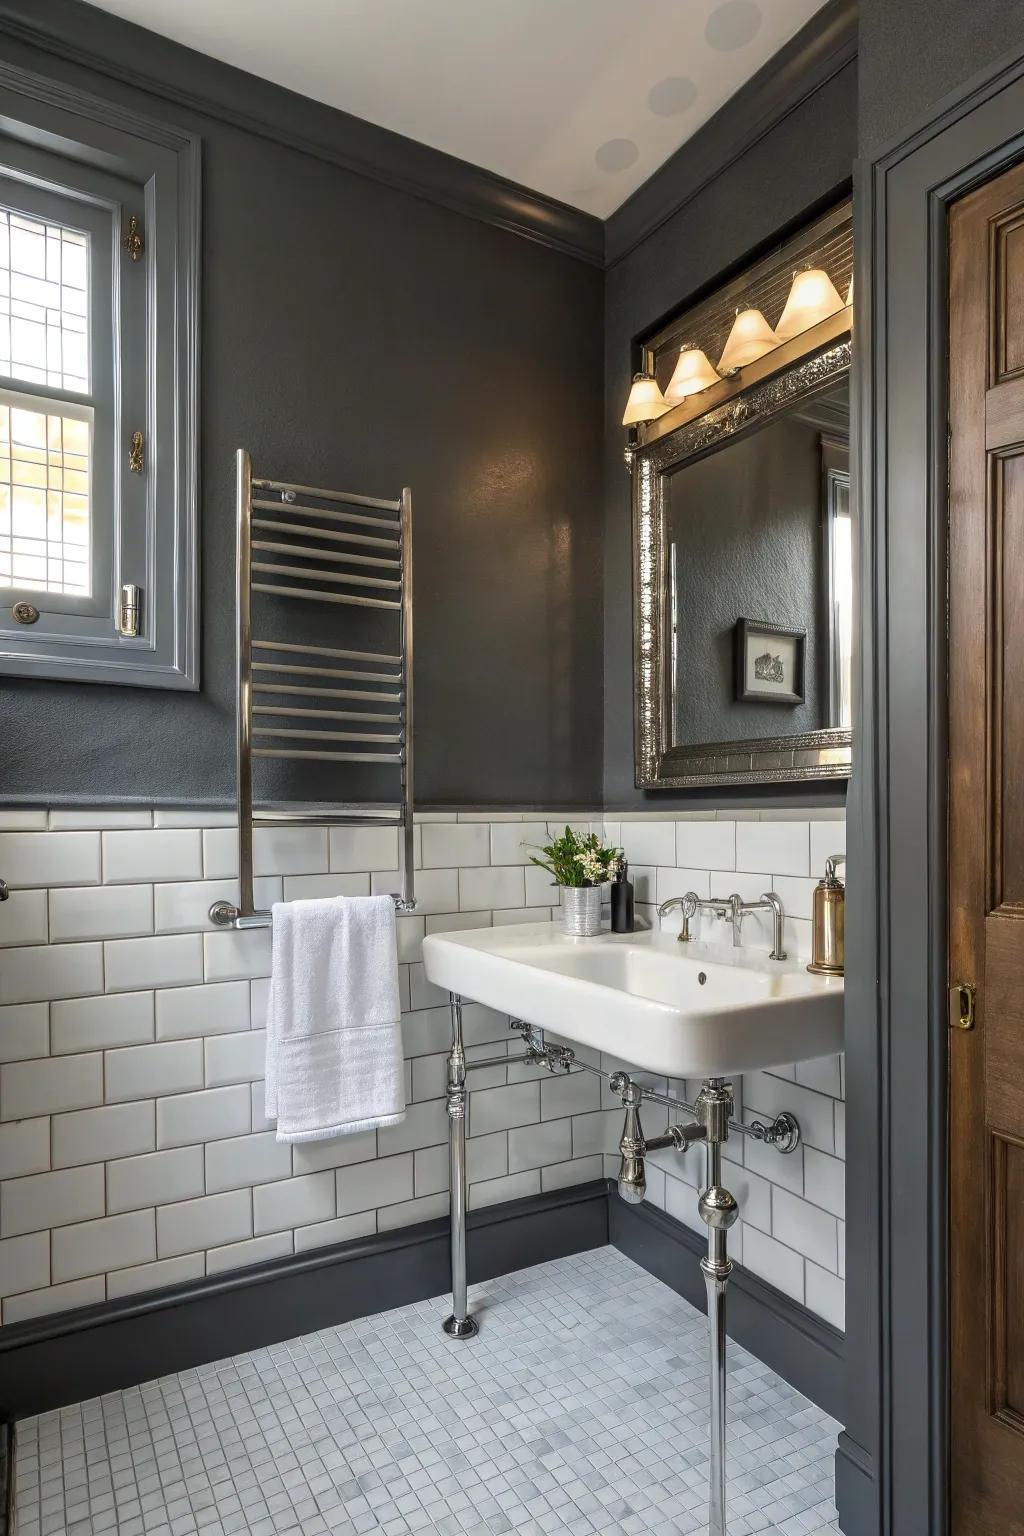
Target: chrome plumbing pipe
x,y
460,1325
718,1209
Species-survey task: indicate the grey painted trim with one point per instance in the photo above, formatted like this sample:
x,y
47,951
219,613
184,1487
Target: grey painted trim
x,y
165,162
804,1349
145,61
823,47
892,1467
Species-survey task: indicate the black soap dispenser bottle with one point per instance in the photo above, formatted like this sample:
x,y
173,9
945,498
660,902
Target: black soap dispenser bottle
x,y
622,900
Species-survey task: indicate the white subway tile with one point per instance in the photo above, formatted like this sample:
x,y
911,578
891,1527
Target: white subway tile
x,y
368,1186
506,916
406,1213
254,1250
498,1109
363,848
193,816
50,1199
25,1147
826,1295
12,820
293,1202
55,1298
49,971
101,1023
151,1277
206,1223
155,1178
515,842
314,887
796,895
779,1265
822,1074
840,1124
30,1088
143,1071
289,851
173,961
165,855
50,858
206,1116
186,1012
24,1031
24,1263
339,1152
540,889
425,1125
514,1186
773,847
98,819
184,907
827,838
259,997
220,853
770,1096
649,842
437,890
455,922
532,1146
113,1242
96,1135
23,919
100,912
258,1108
491,887
825,1181
241,1160
235,1058
592,1133
580,1170
447,846
324,1234
236,956
805,1228
410,939
706,844
679,882
482,1025
571,1094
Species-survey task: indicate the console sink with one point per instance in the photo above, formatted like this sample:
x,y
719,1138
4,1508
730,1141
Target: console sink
x,y
681,1010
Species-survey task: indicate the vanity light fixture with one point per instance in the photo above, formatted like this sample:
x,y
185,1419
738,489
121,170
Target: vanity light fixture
x,y
750,338
646,401
812,297
693,372
849,292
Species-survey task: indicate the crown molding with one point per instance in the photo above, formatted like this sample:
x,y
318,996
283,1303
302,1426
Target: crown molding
x,y
822,48
92,39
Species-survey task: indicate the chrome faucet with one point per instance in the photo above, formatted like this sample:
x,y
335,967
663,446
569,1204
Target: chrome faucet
x,y
734,909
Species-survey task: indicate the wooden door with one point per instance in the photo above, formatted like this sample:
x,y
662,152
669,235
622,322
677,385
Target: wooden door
x,y
986,849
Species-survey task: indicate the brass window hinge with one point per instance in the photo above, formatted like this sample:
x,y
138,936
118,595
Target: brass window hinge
x,y
961,1005
129,610
136,454
133,242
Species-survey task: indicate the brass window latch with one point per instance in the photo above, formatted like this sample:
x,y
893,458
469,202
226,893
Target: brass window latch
x,y
136,454
961,1005
133,242
129,610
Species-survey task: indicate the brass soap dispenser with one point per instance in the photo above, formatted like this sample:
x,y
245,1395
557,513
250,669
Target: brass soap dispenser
x,y
828,953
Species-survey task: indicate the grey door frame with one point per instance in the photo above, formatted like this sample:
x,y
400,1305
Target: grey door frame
x,y
892,1462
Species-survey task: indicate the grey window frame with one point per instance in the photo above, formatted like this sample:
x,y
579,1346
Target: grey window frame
x,y
61,146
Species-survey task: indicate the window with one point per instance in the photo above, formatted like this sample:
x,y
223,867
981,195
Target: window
x,y
98,368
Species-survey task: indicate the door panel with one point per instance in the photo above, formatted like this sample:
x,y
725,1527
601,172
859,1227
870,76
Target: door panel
x,y
986,856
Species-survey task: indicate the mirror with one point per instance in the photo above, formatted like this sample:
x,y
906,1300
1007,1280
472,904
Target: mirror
x,y
760,575
743,585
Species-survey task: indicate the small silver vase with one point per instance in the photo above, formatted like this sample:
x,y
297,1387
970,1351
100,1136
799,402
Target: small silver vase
x,y
581,911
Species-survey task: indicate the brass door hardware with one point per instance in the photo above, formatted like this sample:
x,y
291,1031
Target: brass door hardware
x,y
136,454
25,613
961,1005
129,610
133,242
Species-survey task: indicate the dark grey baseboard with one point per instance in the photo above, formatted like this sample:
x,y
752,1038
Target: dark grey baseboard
x,y
50,1361
856,1493
804,1350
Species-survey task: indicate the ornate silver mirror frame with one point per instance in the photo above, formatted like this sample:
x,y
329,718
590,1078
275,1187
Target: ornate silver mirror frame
x,y
823,754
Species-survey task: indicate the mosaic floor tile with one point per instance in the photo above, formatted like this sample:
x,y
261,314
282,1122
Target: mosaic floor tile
x,y
580,1407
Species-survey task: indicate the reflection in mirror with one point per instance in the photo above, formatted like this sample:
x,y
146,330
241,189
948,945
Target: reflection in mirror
x,y
759,548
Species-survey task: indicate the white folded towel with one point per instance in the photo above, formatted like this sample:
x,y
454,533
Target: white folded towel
x,y
334,1021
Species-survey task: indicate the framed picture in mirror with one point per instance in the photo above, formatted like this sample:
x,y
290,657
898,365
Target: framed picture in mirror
x,y
769,663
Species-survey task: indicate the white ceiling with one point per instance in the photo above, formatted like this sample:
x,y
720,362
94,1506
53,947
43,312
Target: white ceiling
x,y
580,99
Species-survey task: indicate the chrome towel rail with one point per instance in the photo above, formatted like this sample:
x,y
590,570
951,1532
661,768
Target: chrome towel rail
x,y
290,670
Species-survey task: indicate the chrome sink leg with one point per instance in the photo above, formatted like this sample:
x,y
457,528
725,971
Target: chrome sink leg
x,y
460,1325
718,1209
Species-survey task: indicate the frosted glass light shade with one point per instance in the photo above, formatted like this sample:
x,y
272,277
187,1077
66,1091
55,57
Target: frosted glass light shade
x,y
646,401
813,297
849,293
750,338
693,372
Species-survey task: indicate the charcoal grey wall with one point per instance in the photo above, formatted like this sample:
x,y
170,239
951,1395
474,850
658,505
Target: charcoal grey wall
x,y
917,51
779,180
354,334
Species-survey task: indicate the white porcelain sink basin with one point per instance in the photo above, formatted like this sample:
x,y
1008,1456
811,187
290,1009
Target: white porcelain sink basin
x,y
681,1010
